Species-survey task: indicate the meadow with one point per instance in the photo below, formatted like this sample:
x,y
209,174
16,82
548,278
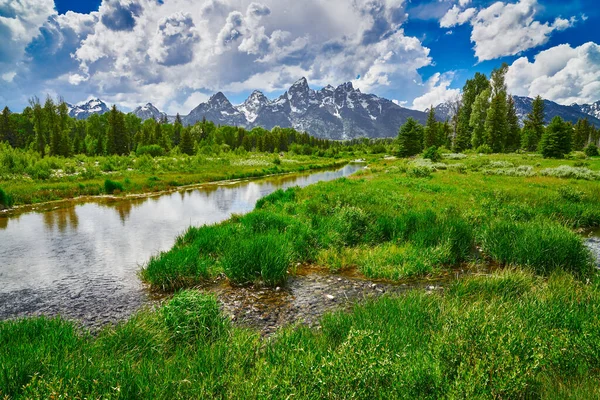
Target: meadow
x,y
523,324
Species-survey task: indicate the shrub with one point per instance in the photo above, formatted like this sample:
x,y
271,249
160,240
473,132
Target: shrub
x,y
540,246
111,186
378,149
419,171
277,160
263,257
566,171
5,200
194,316
152,150
484,149
433,154
591,150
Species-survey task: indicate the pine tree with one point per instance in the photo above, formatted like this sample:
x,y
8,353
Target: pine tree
x,y
478,117
410,138
444,134
534,126
38,125
496,126
431,135
177,130
115,132
471,90
187,144
7,130
556,140
582,134
513,138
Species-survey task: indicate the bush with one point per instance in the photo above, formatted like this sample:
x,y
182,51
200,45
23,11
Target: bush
x,y
111,186
277,160
152,150
194,316
6,201
591,150
484,149
433,154
540,246
261,257
419,171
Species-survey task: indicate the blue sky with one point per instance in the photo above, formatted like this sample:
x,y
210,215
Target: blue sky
x,y
176,53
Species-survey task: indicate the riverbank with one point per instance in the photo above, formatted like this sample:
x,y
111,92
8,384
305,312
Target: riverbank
x,y
85,178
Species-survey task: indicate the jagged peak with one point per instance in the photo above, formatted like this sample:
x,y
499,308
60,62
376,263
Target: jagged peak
x,y
218,98
302,82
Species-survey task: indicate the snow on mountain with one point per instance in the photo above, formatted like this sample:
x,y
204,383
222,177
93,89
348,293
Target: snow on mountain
x,y
83,111
333,113
589,109
148,111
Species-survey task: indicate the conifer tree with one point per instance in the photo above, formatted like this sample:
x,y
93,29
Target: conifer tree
x,y
7,130
496,126
410,138
582,134
556,140
534,126
187,144
177,130
431,135
478,117
513,138
471,90
115,132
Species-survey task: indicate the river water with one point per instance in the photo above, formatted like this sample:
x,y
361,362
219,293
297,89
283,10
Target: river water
x,y
81,261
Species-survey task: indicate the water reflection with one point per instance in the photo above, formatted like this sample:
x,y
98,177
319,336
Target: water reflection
x,y
93,242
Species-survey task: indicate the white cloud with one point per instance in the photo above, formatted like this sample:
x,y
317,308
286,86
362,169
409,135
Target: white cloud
x,y
9,76
437,91
464,2
455,16
508,29
562,74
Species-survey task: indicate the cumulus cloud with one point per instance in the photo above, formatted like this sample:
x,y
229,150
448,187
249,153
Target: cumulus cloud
x,y
455,16
504,29
20,22
562,73
174,41
135,51
437,91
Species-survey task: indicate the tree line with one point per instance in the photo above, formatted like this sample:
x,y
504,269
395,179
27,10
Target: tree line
x,y
48,129
485,119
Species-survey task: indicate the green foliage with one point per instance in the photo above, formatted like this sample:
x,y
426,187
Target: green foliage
x,y
592,150
583,131
543,247
410,139
533,129
193,316
263,257
278,196
111,186
5,199
472,89
432,153
431,135
484,149
152,150
556,141
478,118
496,124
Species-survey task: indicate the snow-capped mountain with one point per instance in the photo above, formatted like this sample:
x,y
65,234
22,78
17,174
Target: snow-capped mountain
x,y
218,110
524,105
82,111
590,109
149,112
333,113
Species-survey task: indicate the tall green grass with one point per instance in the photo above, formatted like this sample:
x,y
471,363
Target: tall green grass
x,y
507,335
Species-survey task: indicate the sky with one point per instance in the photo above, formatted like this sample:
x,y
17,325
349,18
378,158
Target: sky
x,y
177,53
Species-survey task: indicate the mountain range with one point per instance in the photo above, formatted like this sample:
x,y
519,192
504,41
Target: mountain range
x,y
341,112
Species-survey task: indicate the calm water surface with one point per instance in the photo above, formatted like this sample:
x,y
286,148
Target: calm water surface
x,y
82,261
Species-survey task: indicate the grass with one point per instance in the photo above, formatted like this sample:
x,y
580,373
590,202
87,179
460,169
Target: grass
x,y
507,335
392,223
530,329
30,179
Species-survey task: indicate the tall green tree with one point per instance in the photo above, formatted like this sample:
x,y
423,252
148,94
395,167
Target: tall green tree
x,y
513,138
472,89
115,133
187,142
582,134
431,135
7,129
478,118
556,140
533,128
177,126
410,138
37,116
496,126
